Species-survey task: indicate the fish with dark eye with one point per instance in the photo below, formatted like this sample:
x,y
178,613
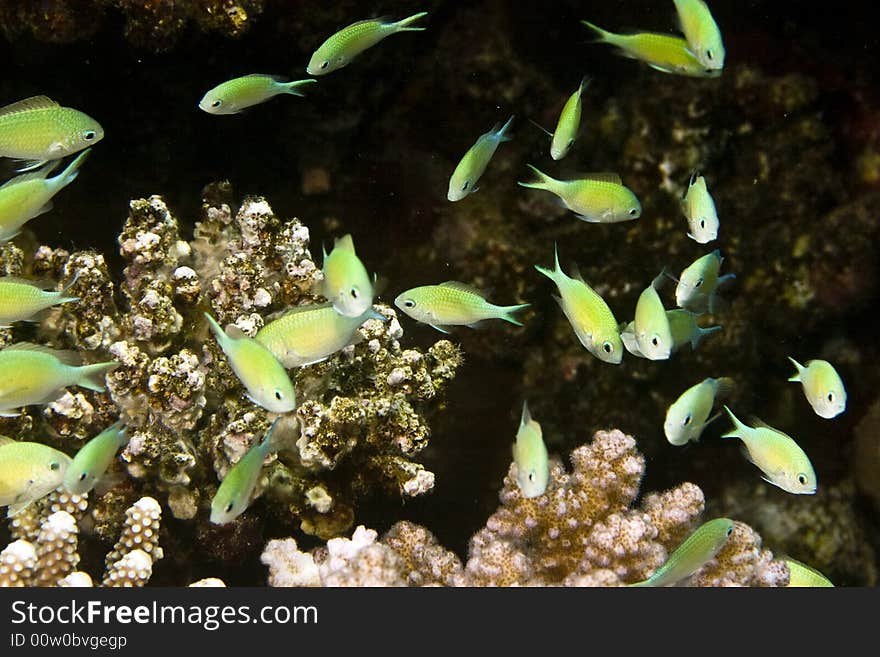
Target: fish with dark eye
x,y
91,462
22,300
29,195
776,454
263,376
587,312
651,327
453,304
699,210
474,162
698,284
234,95
697,550
688,415
595,198
347,285
38,130
701,33
530,456
822,385
28,472
346,44
34,374
683,327
569,123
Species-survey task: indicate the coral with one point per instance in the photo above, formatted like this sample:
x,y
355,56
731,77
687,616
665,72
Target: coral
x,y
583,531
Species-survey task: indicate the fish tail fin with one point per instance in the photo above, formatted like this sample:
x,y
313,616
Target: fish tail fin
x,y
403,25
501,134
92,376
543,182
702,333
279,435
506,313
738,427
292,87
797,375
724,387
603,35
69,174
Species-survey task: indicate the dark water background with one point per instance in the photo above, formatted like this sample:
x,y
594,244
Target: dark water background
x,y
389,168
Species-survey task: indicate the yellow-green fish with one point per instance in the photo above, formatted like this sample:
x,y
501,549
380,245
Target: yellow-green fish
x,y
778,456
802,575
823,387
662,52
237,94
698,283
589,315
347,285
34,374
29,195
28,472
651,324
349,42
683,327
92,460
262,375
21,300
310,334
234,494
468,171
38,129
688,415
699,210
701,33
530,456
568,124
697,550
452,304
596,198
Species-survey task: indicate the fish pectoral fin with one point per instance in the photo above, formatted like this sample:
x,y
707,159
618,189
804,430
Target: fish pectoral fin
x,y
46,208
10,413
439,327
584,217
661,68
17,507
30,165
478,324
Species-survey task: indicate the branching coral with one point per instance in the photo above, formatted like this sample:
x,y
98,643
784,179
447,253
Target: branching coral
x,y
583,531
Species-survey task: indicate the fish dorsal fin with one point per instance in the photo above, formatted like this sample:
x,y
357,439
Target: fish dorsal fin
x,y
42,284
576,274
462,287
32,103
234,332
277,78
39,174
296,310
345,243
758,423
604,176
6,440
65,356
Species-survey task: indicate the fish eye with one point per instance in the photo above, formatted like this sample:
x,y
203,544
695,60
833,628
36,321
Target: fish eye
x,y
228,507
532,476
702,223
633,212
466,185
278,395
324,65
709,54
354,293
409,303
54,465
83,476
88,135
655,340
730,530
607,347
217,103
831,397
802,479
699,282
687,419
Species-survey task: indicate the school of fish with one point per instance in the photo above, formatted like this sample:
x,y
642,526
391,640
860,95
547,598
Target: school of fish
x,y
40,132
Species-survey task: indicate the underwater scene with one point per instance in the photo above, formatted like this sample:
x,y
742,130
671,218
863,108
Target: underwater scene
x,y
400,293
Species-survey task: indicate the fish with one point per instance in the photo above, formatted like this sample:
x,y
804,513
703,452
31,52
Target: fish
x,y
698,283
596,198
701,32
234,95
697,550
235,491
92,460
469,169
776,454
662,52
530,456
590,317
310,334
29,195
23,300
28,472
569,123
823,387
683,327
34,374
346,281
699,210
688,415
259,371
651,324
346,44
802,575
452,304
38,130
